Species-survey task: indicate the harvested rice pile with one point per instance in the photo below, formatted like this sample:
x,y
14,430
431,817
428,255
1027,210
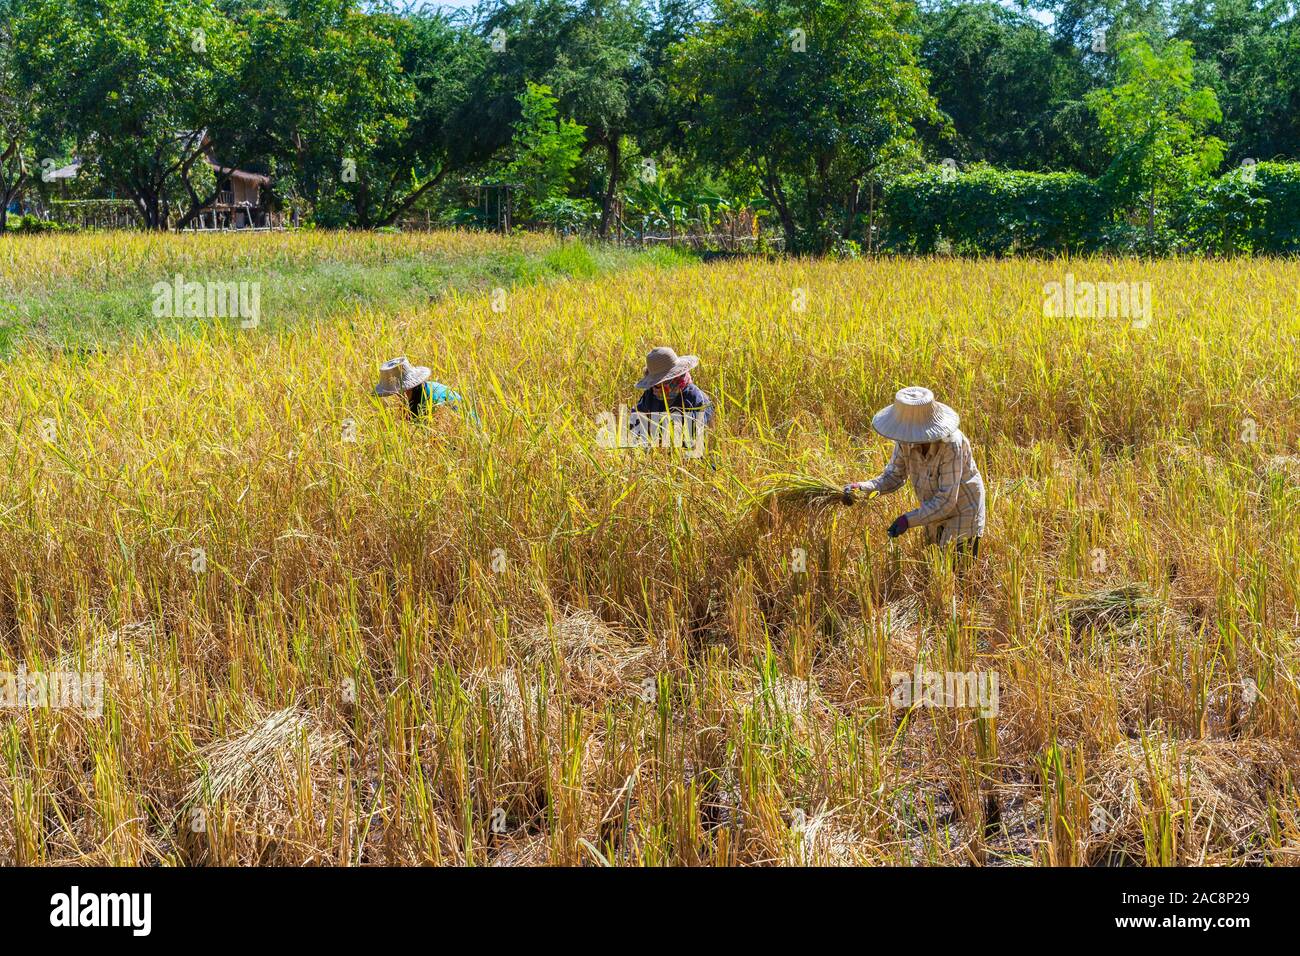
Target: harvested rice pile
x,y
269,792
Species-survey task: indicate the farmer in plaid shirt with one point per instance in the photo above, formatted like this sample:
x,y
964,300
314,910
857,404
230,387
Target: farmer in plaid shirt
x,y
931,452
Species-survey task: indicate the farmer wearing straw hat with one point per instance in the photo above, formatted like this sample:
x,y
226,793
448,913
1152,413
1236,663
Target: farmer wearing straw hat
x,y
399,377
936,457
666,382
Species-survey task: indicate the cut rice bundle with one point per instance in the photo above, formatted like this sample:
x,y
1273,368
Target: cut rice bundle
x,y
1120,609
802,492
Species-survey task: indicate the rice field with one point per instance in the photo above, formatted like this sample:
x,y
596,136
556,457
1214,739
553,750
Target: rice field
x,y
330,636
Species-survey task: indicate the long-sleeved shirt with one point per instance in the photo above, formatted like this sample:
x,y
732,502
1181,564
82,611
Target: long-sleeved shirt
x,y
947,485
680,422
690,399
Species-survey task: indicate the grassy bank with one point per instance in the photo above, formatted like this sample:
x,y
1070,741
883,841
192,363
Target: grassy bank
x,y
97,288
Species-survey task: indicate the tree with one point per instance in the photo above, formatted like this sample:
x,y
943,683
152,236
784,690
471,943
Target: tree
x,y
17,106
595,77
131,83
1248,52
817,97
406,112
1015,96
1155,125
445,66
1095,26
593,55
323,94
545,150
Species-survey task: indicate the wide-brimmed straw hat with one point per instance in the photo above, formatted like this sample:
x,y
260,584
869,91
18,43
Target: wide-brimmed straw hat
x,y
397,375
662,364
915,417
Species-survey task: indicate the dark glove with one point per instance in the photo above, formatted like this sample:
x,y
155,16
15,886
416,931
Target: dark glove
x,y
898,527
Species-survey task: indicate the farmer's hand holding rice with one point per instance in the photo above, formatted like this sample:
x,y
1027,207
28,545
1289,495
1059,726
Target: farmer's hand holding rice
x,y
930,452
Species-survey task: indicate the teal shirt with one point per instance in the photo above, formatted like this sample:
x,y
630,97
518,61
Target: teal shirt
x,y
431,394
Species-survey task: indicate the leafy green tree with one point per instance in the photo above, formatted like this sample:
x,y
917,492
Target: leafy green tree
x,y
661,118
601,80
606,62
817,97
1248,52
440,135
323,92
1015,96
1095,27
361,114
525,38
17,106
131,83
1155,124
545,151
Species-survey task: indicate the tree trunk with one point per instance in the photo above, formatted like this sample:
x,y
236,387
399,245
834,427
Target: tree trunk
x,y
771,189
152,210
871,215
787,222
363,204
824,206
197,205
7,193
615,159
1151,222
851,211
788,227
389,218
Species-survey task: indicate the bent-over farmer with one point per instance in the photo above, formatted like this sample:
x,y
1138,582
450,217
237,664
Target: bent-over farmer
x,y
667,385
672,411
399,377
936,457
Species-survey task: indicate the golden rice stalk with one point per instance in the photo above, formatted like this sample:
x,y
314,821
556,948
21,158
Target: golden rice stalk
x,y
803,491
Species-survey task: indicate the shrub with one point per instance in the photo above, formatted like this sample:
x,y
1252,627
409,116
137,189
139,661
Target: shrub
x,y
989,211
992,212
34,224
564,213
1250,209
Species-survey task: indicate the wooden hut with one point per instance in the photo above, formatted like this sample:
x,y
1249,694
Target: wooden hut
x,y
239,204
